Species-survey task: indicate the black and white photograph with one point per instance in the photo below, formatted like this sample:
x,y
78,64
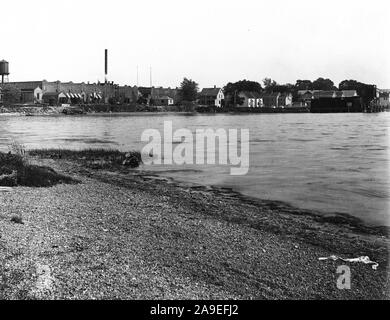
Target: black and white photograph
x,y
209,152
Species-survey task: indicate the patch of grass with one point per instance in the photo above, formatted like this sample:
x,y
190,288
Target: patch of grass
x,y
87,154
93,158
18,149
27,174
17,219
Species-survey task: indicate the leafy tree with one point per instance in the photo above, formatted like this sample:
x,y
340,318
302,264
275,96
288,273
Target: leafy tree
x,y
231,90
284,88
188,90
11,94
303,85
242,85
350,85
269,85
323,84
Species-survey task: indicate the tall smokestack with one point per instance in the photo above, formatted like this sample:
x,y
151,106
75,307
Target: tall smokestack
x,y
105,64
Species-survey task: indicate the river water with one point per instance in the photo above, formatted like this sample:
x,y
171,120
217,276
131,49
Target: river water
x,y
326,162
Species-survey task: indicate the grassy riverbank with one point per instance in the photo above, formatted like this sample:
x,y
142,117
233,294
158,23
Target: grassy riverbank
x,y
119,233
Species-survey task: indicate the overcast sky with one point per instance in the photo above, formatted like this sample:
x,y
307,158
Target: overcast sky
x,y
213,42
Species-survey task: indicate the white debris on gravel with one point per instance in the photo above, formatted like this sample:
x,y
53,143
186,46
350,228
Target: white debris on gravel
x,y
5,189
363,259
45,281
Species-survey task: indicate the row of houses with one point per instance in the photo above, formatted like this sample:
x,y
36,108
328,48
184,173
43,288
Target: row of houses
x,y
244,99
57,93
215,97
266,100
304,98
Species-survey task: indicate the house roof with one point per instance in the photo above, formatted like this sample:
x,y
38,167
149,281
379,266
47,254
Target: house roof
x,y
163,97
324,94
349,93
157,93
29,85
335,94
210,92
302,92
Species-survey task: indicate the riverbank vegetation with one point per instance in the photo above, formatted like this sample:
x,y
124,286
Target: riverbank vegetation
x,y
93,158
16,170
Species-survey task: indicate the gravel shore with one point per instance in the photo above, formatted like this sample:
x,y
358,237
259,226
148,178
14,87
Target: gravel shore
x,y
124,235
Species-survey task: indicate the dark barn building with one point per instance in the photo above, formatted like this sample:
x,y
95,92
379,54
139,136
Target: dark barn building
x,y
338,104
367,92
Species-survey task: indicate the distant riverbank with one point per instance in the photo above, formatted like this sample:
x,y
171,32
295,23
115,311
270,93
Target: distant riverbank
x,y
103,108
119,234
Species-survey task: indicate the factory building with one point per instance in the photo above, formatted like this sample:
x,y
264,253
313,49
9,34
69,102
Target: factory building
x,y
73,93
126,94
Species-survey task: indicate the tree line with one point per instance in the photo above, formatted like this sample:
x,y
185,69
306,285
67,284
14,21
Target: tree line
x,y
189,88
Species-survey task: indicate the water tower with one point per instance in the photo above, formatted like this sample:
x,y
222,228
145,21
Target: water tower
x,y
4,70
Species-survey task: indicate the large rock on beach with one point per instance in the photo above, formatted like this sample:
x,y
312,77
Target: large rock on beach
x,y
132,159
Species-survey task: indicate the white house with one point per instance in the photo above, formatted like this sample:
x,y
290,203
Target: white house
x,y
211,97
250,100
38,94
163,101
285,100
